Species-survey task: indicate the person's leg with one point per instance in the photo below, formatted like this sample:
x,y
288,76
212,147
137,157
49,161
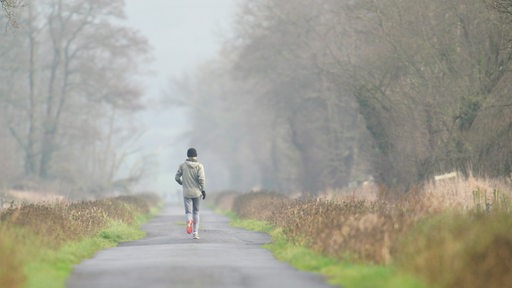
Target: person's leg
x,y
188,213
195,210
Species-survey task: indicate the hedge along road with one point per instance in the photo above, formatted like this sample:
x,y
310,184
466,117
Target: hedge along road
x,y
168,257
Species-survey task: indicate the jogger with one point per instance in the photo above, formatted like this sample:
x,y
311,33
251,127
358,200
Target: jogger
x,y
190,175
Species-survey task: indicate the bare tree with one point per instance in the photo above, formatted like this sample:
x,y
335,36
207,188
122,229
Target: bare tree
x,y
75,40
288,118
420,88
400,89
74,61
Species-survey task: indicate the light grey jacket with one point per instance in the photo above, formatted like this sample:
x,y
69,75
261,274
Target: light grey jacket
x,y
190,174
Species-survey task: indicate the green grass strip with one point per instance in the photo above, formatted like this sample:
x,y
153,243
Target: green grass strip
x,y
339,273
51,268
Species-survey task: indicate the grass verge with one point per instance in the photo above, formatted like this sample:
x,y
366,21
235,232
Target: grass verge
x,y
42,243
50,268
444,243
339,273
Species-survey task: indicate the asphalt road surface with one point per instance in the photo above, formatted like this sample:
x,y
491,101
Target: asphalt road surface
x,y
168,257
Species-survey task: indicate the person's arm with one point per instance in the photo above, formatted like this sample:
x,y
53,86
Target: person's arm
x,y
179,173
201,180
201,177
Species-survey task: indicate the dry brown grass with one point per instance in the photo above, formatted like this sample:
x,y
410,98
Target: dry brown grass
x,y
59,222
51,225
360,230
423,231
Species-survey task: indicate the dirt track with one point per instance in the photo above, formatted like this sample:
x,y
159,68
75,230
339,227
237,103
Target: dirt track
x,y
168,257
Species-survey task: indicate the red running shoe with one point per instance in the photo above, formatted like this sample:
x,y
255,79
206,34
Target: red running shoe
x,y
189,226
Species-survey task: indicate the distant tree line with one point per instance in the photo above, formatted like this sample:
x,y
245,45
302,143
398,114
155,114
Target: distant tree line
x,y
68,86
316,94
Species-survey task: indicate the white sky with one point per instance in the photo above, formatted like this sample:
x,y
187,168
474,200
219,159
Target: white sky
x,y
183,34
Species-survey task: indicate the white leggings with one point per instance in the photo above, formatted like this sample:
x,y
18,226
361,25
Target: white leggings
x,y
192,212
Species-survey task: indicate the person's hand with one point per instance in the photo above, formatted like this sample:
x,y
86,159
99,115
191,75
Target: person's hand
x,y
204,194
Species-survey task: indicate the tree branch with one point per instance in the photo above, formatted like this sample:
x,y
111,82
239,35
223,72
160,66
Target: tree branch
x,y
503,6
9,6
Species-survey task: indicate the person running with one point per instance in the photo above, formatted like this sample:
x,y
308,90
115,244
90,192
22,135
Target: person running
x,y
190,175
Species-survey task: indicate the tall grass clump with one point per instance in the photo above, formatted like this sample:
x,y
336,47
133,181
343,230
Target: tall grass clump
x,y
455,233
358,230
11,273
44,240
454,249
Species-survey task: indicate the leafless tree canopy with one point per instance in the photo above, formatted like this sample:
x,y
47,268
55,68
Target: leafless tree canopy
x,y
68,90
310,95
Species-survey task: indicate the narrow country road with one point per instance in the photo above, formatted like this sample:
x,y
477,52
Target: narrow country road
x,y
168,257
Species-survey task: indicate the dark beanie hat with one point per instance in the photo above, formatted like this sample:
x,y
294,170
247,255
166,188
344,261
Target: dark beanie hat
x,y
191,152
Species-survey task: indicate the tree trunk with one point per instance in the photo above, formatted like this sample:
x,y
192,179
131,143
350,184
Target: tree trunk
x,y
30,153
